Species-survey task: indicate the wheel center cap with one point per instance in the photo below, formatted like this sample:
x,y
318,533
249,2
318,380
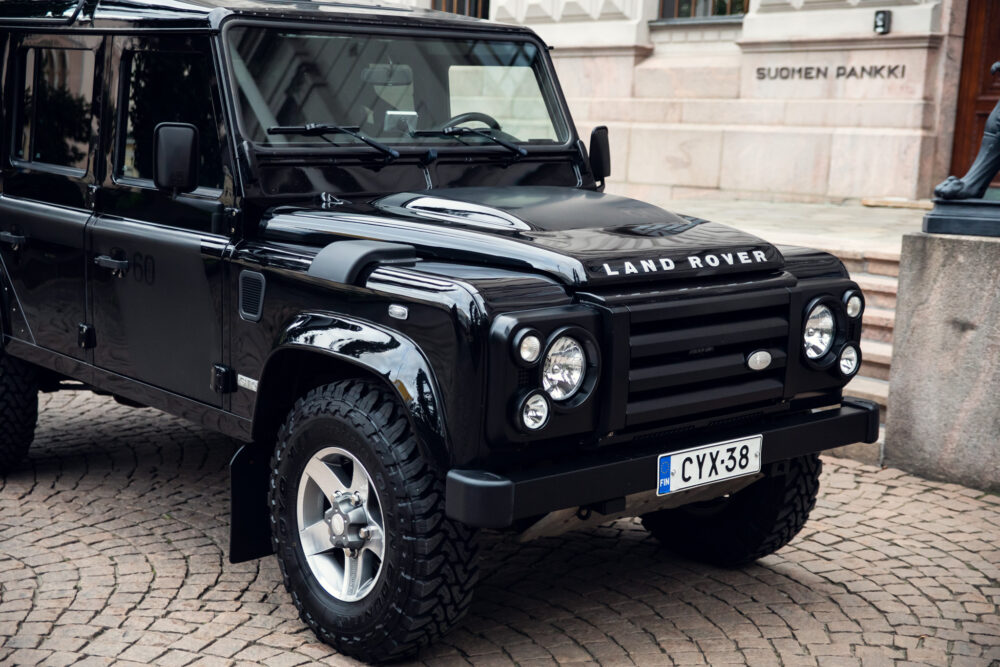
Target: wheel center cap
x,y
337,524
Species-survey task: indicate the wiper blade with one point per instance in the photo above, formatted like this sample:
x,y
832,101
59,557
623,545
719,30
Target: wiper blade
x,y
465,131
322,129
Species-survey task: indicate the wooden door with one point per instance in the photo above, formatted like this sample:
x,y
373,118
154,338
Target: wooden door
x,y
978,90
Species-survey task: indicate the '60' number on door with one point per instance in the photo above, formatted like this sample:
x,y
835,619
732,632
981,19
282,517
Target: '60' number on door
x,y
144,268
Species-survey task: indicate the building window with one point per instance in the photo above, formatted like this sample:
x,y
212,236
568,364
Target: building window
x,y
693,9
479,9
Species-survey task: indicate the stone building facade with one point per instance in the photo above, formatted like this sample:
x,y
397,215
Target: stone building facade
x,y
796,100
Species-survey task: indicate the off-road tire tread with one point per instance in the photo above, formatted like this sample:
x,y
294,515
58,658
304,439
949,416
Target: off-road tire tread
x,y
442,553
18,410
757,522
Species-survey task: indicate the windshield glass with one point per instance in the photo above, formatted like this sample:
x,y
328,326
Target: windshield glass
x,y
426,91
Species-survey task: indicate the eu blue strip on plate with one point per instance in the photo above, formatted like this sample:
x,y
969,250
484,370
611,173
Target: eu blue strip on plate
x,y
664,486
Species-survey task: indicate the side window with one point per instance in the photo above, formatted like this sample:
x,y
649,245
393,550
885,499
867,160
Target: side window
x,y
54,110
166,87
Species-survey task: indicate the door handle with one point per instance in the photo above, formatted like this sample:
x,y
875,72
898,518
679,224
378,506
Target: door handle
x,y
117,266
15,240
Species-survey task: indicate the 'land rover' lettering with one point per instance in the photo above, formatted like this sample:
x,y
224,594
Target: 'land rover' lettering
x,y
703,261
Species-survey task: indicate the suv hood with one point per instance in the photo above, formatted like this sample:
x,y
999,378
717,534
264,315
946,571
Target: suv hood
x,y
578,236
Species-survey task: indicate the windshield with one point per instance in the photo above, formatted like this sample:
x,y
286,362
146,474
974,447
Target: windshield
x,y
424,91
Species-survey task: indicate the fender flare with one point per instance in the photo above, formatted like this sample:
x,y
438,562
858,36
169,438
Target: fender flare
x,y
376,352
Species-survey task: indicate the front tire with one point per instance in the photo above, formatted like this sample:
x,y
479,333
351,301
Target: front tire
x,y
18,410
371,561
752,523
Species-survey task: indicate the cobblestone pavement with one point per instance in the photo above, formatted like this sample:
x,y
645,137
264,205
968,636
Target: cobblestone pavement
x,y
112,547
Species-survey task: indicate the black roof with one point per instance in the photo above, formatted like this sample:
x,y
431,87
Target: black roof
x,y
210,13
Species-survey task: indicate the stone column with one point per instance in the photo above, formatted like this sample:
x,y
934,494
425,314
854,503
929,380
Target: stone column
x,y
944,399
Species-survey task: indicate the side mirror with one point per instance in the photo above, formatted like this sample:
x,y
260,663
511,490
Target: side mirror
x,y
600,153
175,157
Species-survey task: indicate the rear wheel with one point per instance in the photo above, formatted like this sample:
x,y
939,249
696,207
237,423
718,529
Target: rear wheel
x,y
357,515
747,525
18,410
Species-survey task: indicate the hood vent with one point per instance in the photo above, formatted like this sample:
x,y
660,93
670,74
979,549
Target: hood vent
x,y
450,210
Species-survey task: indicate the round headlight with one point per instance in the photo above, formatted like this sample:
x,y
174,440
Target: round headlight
x,y
819,332
853,306
529,348
535,412
564,368
849,360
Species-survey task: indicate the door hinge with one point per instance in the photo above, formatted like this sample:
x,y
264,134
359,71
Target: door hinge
x,y
223,379
86,337
92,196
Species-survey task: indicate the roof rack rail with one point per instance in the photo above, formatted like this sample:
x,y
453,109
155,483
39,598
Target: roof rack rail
x,y
64,12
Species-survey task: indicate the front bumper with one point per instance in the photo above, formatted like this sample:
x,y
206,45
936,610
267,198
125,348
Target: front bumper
x,y
487,500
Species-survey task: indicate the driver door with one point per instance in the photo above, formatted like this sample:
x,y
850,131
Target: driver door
x,y
157,260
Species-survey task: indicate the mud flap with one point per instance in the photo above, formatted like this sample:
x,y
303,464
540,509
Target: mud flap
x,y
249,524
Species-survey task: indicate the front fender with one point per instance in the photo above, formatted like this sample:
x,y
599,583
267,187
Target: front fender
x,y
377,351
356,348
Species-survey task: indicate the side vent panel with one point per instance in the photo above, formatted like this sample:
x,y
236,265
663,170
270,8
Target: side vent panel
x,y
252,286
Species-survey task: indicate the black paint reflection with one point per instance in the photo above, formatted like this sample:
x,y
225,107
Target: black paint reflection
x,y
56,106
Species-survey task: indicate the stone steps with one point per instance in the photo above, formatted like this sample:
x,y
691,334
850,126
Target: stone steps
x,y
877,324
873,262
880,291
876,359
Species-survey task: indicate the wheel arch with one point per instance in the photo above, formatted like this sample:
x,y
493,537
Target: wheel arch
x,y
315,350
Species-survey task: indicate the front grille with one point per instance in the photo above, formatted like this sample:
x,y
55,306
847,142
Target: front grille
x,y
688,357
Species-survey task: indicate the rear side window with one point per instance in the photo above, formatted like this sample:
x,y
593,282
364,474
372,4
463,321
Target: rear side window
x,y
55,108
172,87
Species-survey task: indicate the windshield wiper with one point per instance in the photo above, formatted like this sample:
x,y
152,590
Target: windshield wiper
x,y
457,132
322,129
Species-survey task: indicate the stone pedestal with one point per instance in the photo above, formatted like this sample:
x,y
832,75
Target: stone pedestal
x,y
944,398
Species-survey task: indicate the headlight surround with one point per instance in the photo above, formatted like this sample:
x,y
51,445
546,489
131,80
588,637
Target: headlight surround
x,y
819,332
564,368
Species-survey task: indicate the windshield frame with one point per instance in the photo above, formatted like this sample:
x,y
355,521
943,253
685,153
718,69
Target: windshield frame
x,y
560,109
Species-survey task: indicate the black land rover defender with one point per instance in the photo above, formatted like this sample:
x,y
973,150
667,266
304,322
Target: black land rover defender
x,y
367,242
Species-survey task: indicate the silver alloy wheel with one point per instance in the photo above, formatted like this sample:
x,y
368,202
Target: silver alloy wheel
x,y
341,529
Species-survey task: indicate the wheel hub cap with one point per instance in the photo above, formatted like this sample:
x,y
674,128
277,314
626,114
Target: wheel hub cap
x,y
346,521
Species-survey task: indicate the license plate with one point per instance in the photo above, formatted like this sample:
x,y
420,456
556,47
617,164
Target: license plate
x,y
708,464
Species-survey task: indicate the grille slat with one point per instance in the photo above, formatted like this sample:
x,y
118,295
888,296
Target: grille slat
x,y
701,306
689,357
728,396
698,370
664,342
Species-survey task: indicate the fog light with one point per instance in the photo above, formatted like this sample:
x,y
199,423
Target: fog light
x,y
849,360
529,348
535,412
854,305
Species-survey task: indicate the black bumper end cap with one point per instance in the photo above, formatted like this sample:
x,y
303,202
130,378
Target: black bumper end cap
x,y
874,414
479,498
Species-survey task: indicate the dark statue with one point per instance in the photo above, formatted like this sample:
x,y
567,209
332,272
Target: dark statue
x,y
975,182
959,207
